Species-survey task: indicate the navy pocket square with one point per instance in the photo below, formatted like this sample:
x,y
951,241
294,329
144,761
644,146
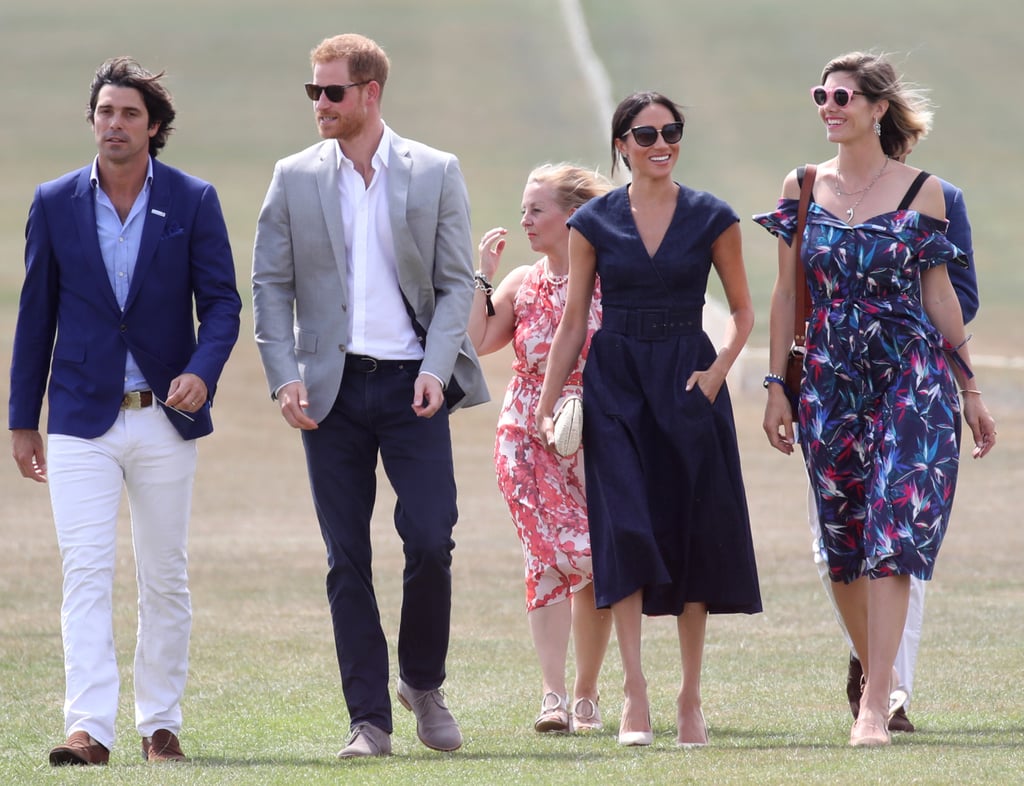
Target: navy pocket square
x,y
172,230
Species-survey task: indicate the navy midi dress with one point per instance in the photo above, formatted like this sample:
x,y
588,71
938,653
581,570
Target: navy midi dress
x,y
667,507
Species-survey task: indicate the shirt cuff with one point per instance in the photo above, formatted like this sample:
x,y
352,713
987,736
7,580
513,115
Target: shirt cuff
x,y
286,384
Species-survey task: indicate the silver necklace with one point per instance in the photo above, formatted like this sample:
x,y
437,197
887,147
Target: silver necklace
x,y
841,193
863,192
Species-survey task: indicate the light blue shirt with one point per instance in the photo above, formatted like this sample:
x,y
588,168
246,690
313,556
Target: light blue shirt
x,y
119,245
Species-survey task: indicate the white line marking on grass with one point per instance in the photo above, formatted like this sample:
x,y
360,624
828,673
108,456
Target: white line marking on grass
x,y
595,75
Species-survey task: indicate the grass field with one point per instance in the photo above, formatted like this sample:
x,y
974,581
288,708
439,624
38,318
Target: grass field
x,y
495,82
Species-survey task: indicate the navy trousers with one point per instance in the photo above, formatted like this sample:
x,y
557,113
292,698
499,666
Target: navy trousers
x,y
373,415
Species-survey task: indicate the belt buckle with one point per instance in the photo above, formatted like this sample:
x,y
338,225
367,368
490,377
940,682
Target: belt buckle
x,y
132,400
371,361
654,323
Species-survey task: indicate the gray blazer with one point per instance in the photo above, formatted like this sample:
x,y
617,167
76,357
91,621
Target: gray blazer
x,y
300,297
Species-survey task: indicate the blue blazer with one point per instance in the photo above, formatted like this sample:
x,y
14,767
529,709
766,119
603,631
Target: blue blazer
x,y
68,312
964,279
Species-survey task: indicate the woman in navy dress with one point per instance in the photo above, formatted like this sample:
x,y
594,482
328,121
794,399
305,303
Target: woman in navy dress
x,y
670,533
879,413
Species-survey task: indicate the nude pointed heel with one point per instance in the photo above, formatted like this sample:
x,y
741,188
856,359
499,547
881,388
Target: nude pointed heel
x,y
707,737
637,738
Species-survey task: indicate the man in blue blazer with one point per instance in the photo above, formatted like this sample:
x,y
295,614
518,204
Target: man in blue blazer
x,y
117,255
362,285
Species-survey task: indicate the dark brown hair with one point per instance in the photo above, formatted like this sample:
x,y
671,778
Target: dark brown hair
x,y
124,71
626,112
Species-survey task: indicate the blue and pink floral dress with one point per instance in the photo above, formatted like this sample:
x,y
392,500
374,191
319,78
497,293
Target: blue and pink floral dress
x,y
879,416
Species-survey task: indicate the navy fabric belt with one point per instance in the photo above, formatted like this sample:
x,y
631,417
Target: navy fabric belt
x,y
652,323
367,365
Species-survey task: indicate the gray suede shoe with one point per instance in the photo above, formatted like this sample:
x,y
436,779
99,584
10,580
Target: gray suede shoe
x,y
435,725
366,740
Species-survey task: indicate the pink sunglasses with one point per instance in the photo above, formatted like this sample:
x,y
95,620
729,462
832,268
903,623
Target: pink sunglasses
x,y
841,95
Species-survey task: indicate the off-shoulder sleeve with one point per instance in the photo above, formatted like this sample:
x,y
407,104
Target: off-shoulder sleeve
x,y
781,222
929,242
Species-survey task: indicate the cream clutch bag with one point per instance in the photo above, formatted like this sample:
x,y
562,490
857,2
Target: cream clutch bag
x,y
569,425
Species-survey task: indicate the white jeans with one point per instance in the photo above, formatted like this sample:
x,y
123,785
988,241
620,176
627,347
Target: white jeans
x,y
906,657
144,454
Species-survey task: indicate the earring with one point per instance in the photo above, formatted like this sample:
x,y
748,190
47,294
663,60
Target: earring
x,y
878,128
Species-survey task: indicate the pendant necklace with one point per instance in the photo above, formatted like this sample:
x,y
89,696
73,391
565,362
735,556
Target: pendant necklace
x,y
863,192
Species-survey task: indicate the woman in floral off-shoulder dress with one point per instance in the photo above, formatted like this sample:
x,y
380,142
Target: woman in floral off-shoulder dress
x,y
879,417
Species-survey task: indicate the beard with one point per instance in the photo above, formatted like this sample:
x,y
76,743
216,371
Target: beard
x,y
341,126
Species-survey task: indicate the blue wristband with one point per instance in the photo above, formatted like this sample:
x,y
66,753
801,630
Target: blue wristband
x,y
776,378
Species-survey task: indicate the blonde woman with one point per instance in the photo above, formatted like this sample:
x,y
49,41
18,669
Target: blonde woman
x,y
545,492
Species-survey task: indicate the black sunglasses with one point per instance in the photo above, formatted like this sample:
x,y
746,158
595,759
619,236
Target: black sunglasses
x,y
645,136
841,95
335,93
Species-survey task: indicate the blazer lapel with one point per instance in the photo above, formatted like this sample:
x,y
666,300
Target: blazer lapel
x,y
83,206
330,203
157,210
399,178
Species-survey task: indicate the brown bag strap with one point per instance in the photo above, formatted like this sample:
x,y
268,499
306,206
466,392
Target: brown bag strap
x,y
802,310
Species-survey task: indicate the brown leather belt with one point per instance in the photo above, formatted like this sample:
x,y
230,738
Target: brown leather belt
x,y
137,399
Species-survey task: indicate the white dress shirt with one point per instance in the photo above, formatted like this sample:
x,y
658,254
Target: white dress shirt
x,y
381,325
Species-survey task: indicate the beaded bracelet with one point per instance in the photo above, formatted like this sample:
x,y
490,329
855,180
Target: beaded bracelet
x,y
480,282
776,378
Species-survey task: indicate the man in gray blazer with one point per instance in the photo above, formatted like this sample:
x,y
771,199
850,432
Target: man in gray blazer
x,y
362,285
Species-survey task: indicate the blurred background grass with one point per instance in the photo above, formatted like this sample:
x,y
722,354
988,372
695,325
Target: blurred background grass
x,y
497,84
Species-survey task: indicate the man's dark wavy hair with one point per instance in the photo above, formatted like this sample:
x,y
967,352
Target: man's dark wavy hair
x,y
125,71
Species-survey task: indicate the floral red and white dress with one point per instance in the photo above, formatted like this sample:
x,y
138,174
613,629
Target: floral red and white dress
x,y
544,492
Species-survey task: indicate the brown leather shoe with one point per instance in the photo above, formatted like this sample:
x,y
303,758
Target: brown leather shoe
x,y
854,685
900,722
79,748
162,746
